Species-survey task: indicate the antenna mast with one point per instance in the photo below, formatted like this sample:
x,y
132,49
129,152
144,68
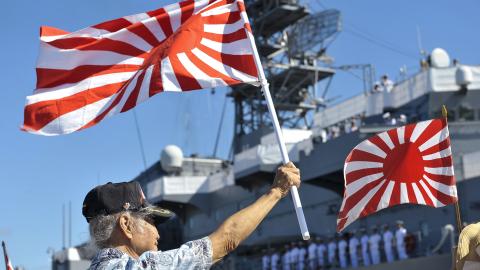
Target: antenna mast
x,y
292,44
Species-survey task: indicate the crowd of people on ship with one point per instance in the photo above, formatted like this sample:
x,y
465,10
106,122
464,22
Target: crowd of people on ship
x,y
349,250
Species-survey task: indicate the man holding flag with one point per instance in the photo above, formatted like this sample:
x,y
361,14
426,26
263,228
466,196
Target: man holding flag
x,y
109,68
122,225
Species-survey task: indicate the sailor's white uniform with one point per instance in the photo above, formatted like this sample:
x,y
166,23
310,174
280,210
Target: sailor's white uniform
x,y
387,245
321,251
342,253
374,241
312,256
365,255
353,249
400,239
332,247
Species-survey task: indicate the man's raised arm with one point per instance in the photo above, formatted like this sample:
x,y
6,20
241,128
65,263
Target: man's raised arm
x,y
241,224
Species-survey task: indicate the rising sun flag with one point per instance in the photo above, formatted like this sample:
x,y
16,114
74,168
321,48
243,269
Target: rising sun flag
x,y
410,164
109,68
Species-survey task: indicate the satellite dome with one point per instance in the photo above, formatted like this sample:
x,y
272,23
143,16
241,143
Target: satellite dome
x,y
439,58
171,158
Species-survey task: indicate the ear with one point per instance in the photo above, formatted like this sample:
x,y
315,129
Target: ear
x,y
125,223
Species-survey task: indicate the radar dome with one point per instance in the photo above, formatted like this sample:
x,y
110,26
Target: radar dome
x,y
439,58
171,158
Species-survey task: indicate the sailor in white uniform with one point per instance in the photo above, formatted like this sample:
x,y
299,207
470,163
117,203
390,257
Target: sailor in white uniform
x,y
374,243
286,258
400,235
293,255
364,242
342,251
312,255
386,84
353,244
388,243
321,252
302,253
274,259
265,260
332,248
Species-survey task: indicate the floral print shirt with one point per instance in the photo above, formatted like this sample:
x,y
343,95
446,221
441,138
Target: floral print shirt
x,y
191,255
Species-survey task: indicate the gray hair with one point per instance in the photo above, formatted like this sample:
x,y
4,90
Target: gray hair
x,y
102,226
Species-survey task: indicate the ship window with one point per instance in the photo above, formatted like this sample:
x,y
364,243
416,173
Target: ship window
x,y
465,113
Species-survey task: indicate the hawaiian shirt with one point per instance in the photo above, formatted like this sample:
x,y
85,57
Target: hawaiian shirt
x,y
191,255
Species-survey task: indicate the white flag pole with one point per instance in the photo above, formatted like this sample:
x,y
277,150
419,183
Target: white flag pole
x,y
281,142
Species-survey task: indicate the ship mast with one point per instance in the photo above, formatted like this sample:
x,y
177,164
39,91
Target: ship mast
x,y
292,44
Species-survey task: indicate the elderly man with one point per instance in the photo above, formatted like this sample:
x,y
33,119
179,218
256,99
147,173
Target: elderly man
x,y
121,224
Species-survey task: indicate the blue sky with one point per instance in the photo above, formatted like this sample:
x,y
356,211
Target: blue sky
x,y
39,174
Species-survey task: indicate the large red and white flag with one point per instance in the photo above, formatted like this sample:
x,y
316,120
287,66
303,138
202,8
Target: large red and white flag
x,y
109,68
409,164
8,263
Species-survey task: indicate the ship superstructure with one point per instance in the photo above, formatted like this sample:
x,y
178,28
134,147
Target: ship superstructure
x,y
206,191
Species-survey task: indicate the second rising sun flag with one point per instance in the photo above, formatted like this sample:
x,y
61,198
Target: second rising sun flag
x,y
109,68
409,164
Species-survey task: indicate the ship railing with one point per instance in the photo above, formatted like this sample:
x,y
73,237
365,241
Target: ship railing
x,y
374,103
403,92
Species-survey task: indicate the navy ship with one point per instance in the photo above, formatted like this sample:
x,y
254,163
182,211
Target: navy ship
x,y
319,133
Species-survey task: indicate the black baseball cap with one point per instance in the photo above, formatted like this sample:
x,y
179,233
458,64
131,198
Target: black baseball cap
x,y
113,198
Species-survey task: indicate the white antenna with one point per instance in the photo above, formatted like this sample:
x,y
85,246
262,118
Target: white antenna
x,y
419,42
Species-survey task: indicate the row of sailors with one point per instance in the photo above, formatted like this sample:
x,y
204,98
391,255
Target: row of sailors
x,y
321,255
